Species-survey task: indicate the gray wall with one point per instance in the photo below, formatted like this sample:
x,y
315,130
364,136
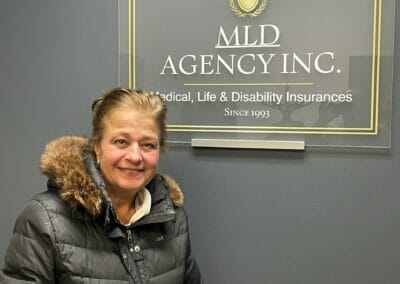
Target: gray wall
x,y
256,216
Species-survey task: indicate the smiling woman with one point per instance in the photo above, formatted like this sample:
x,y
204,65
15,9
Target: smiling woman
x,y
127,147
107,214
128,152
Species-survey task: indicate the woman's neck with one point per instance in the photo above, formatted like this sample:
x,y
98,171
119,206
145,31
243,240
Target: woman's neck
x,y
124,205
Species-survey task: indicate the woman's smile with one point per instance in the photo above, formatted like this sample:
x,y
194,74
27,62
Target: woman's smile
x,y
131,170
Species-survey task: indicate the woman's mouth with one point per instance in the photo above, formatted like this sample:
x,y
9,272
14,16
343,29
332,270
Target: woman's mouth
x,y
131,170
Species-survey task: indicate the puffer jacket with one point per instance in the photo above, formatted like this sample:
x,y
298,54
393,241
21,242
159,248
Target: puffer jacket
x,y
70,233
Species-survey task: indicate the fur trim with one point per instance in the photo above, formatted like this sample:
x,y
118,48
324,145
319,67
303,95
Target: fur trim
x,y
62,162
174,190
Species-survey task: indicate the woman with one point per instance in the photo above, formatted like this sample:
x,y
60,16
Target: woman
x,y
107,216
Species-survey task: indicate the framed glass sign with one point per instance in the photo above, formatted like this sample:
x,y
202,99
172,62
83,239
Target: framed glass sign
x,y
315,71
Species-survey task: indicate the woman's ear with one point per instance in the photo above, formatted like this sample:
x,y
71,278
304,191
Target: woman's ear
x,y
97,152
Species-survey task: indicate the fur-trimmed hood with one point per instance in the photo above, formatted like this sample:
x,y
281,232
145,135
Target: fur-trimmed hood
x,y
64,161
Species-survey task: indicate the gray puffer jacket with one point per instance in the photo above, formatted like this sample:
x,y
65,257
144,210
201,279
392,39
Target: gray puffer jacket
x,y
69,234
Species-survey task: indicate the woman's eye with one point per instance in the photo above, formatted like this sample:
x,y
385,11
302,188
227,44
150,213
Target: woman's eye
x,y
150,146
120,142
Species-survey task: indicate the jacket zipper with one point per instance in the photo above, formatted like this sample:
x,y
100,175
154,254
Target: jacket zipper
x,y
133,269
129,235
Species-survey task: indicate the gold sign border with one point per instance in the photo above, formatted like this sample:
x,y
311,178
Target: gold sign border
x,y
375,86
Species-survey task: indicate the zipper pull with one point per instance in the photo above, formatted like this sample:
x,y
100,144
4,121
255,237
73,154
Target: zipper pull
x,y
129,235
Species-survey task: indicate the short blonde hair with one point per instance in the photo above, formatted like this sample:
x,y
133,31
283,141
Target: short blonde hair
x,y
137,100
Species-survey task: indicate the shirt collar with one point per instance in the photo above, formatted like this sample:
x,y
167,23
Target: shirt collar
x,y
142,205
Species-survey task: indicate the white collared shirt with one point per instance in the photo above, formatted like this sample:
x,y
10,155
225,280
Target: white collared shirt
x,y
142,205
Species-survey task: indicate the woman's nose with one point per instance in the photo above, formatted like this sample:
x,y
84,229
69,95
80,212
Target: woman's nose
x,y
134,154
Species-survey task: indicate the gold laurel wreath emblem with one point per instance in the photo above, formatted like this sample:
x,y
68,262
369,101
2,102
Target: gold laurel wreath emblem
x,y
240,14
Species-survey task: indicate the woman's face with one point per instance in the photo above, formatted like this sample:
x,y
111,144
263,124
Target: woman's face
x,y
128,151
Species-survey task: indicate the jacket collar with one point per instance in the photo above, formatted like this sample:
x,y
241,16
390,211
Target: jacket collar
x,y
69,163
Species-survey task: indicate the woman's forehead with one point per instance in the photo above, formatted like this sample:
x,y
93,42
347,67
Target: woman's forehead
x,y
128,114
127,119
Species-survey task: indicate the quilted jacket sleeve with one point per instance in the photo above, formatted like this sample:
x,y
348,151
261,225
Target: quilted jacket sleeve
x,y
30,255
192,272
